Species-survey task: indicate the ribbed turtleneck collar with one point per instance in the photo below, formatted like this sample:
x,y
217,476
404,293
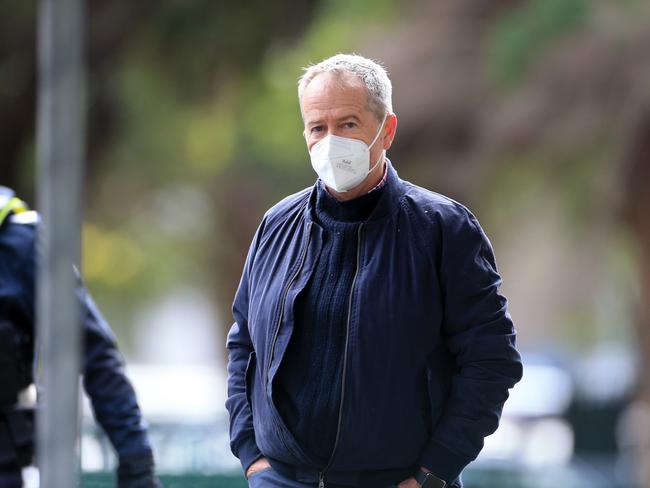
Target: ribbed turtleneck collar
x,y
329,210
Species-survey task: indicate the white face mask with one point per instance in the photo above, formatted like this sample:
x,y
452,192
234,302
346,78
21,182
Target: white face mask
x,y
341,162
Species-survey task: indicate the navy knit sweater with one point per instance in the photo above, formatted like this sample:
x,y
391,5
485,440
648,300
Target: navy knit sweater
x,y
310,378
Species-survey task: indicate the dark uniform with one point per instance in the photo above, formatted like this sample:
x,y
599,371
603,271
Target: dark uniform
x,y
112,396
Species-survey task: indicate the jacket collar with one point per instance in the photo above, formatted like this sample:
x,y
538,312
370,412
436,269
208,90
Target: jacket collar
x,y
388,203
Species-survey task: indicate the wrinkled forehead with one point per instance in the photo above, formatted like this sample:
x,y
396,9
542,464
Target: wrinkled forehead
x,y
331,89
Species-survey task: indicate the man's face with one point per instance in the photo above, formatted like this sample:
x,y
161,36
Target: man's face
x,y
337,104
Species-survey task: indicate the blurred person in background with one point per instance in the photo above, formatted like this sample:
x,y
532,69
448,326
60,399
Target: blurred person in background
x,y
371,346
112,396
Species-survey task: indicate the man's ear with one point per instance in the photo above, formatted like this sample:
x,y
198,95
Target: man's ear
x,y
390,128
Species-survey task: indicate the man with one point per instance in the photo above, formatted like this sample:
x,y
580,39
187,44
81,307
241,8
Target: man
x,y
370,347
111,394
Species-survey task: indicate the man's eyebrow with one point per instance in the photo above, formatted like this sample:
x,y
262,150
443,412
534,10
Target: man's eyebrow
x,y
350,116
319,121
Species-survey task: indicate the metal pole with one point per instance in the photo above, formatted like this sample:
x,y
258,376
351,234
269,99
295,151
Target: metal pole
x,y
60,150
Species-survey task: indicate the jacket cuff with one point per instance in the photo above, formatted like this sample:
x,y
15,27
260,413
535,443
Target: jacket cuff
x,y
248,453
445,464
136,463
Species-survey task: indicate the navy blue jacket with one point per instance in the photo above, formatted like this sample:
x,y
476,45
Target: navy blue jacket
x,y
112,396
430,350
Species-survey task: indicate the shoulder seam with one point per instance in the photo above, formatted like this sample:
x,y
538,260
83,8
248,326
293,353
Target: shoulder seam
x,y
295,200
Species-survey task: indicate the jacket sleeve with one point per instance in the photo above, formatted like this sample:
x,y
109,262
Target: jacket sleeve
x,y
111,394
480,337
240,348
18,275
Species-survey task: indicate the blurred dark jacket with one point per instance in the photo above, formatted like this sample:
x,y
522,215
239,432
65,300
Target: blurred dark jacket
x,y
111,394
430,351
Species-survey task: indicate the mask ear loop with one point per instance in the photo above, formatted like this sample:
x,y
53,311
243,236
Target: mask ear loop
x,y
373,143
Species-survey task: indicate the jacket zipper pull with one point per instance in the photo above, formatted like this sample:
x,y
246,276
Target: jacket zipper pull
x,y
321,480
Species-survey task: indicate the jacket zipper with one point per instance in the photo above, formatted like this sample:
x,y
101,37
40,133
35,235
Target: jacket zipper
x,y
284,298
321,475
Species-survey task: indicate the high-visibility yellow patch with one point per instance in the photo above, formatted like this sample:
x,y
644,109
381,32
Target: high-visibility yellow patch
x,y
13,206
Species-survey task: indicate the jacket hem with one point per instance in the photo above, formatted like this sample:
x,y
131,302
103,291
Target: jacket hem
x,y
248,453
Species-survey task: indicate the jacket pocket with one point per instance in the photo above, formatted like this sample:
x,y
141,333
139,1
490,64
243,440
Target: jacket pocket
x,y
250,369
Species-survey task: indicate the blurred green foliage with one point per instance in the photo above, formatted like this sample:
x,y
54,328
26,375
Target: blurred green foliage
x,y
522,37
195,126
188,122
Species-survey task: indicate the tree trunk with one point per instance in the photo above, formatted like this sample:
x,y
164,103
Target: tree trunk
x,y
637,213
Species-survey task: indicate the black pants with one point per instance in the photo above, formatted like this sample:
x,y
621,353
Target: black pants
x,y
10,478
16,445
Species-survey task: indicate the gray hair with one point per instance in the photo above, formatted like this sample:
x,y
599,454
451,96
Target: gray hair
x,y
372,74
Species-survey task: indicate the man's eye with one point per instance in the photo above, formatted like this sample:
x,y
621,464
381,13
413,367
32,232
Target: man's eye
x,y
317,128
350,125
